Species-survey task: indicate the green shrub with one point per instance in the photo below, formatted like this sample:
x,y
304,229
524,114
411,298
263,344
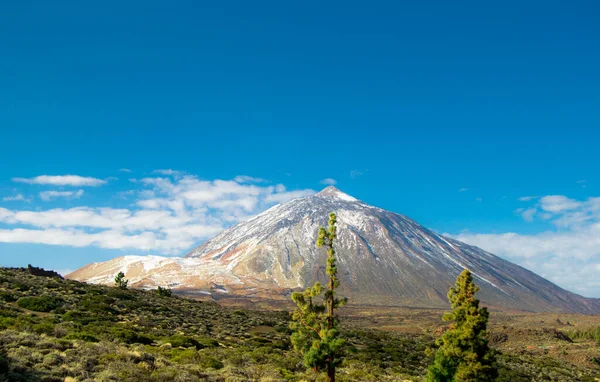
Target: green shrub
x,y
23,323
120,294
208,342
129,336
39,304
77,316
179,340
164,292
97,304
19,286
98,299
85,318
4,367
54,285
184,356
43,328
285,345
586,334
53,359
77,290
6,322
8,297
210,363
9,312
81,336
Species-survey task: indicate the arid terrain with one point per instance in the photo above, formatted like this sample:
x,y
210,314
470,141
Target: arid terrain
x,y
520,333
551,337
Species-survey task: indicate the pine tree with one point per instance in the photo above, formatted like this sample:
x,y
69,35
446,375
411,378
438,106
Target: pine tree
x,y
462,352
120,281
314,323
164,292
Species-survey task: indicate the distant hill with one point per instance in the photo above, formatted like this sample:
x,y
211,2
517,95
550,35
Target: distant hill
x,y
384,258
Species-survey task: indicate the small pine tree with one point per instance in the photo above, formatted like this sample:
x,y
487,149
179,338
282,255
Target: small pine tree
x,y
462,352
164,292
120,281
315,324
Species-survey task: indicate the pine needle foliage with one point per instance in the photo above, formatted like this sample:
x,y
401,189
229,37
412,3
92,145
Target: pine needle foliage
x,y
164,292
462,352
120,281
315,324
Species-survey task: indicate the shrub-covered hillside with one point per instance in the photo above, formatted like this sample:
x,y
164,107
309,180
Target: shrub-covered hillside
x,y
59,330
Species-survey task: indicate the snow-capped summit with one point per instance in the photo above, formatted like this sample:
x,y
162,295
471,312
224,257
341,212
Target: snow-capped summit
x,y
383,258
333,192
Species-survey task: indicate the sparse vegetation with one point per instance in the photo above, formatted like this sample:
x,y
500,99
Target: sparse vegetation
x,y
105,333
588,334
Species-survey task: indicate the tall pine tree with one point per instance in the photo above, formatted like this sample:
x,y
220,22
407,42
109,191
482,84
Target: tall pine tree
x,y
314,322
462,352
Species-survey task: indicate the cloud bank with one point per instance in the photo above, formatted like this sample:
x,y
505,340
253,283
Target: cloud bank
x,y
62,180
169,214
568,253
16,198
50,195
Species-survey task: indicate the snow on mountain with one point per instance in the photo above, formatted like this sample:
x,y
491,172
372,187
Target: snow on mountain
x,y
384,258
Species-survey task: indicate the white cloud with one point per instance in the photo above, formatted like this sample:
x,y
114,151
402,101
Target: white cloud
x,y
124,170
479,199
527,198
355,174
549,254
79,238
287,196
50,195
16,198
125,194
529,214
558,203
587,212
62,180
568,254
97,218
168,172
463,190
168,215
329,181
248,179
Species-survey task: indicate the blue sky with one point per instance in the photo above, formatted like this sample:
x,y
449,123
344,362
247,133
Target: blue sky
x,y
403,105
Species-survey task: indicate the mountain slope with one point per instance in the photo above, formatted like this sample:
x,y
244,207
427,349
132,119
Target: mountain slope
x,y
384,258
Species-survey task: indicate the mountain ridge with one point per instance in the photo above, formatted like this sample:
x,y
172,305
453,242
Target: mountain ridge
x,y
384,258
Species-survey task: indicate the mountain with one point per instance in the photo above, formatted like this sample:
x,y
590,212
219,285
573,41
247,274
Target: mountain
x,y
383,258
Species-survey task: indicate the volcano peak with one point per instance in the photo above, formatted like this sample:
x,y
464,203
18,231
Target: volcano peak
x,y
334,192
